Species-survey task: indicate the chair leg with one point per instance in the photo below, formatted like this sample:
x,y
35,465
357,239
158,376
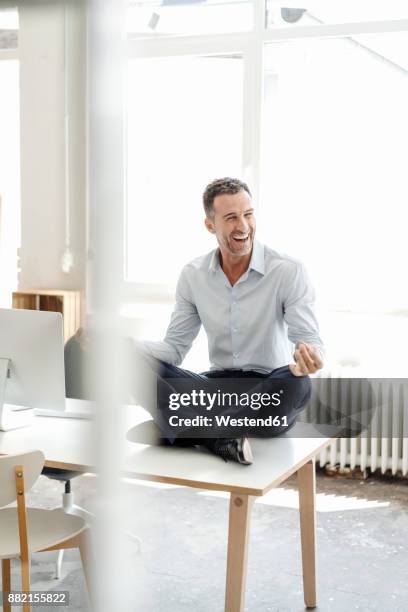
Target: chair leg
x,y
25,580
6,584
85,552
58,565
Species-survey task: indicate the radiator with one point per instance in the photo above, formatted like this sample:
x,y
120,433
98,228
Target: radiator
x,y
384,445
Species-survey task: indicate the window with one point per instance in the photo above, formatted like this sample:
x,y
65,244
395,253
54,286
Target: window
x,y
334,187
318,92
184,129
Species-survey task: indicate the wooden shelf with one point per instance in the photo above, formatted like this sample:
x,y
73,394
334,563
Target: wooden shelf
x,y
68,303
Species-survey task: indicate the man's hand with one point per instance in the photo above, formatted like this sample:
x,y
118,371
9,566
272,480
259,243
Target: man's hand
x,y
307,360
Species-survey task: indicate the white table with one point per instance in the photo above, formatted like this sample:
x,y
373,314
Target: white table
x,y
68,444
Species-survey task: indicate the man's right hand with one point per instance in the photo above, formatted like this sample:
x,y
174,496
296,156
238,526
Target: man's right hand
x,y
307,360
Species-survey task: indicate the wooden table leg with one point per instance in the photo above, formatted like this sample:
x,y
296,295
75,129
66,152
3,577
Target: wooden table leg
x,y
307,507
238,537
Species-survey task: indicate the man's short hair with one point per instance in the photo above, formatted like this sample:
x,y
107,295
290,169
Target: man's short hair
x,y
218,187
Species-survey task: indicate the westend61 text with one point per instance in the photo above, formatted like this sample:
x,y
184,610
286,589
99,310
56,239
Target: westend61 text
x,y
219,398
228,421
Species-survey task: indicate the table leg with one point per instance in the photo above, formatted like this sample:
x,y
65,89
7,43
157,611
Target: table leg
x,y
307,507
238,537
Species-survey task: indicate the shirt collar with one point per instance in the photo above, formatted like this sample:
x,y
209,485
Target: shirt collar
x,y
214,261
257,262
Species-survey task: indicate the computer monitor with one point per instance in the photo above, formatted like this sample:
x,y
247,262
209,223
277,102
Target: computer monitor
x,y
31,365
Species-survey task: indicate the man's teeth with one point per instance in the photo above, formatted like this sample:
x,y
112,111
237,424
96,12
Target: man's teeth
x,y
240,238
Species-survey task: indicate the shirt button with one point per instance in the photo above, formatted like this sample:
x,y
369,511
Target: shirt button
x,y
234,329
236,355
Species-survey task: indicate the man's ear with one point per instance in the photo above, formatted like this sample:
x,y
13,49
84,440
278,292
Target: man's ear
x,y
209,224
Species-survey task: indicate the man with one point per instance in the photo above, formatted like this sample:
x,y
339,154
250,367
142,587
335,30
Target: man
x,y
254,304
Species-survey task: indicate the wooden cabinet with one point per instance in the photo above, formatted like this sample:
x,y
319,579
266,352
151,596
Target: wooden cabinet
x,y
68,303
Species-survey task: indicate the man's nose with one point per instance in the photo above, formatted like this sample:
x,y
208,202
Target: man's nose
x,y
242,225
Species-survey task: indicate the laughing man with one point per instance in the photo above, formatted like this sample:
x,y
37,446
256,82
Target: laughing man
x,y
256,306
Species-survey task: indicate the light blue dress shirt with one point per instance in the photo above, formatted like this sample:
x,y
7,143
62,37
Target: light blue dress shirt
x,y
252,325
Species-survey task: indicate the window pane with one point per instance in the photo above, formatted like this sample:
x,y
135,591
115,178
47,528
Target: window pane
x,y
8,28
335,159
281,13
9,178
184,129
155,17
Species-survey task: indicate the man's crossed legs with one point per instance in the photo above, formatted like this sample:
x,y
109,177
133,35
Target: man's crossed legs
x,y
189,408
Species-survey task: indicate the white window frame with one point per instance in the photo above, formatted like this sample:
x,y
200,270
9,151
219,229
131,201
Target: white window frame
x,y
251,45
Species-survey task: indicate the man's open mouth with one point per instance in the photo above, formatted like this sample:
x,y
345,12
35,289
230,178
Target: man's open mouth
x,y
240,238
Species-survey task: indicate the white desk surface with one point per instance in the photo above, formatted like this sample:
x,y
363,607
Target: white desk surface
x,y
69,443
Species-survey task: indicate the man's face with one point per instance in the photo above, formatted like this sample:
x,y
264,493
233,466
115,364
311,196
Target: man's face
x,y
233,223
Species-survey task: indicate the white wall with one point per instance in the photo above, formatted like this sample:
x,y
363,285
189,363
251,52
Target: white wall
x,y
41,51
9,176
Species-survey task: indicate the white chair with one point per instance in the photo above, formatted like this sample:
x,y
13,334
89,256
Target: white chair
x,y
67,503
27,530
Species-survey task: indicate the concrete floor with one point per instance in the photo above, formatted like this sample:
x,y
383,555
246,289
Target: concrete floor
x,y
362,548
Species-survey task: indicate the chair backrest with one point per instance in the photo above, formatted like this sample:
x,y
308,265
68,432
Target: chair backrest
x,y
77,367
32,463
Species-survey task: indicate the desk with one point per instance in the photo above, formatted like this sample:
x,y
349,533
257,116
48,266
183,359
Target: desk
x,y
66,443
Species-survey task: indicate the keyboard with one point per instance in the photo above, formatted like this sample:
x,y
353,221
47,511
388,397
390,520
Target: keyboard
x,y
74,409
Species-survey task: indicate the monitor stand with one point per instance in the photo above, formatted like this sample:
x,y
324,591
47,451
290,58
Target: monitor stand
x,y
11,417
